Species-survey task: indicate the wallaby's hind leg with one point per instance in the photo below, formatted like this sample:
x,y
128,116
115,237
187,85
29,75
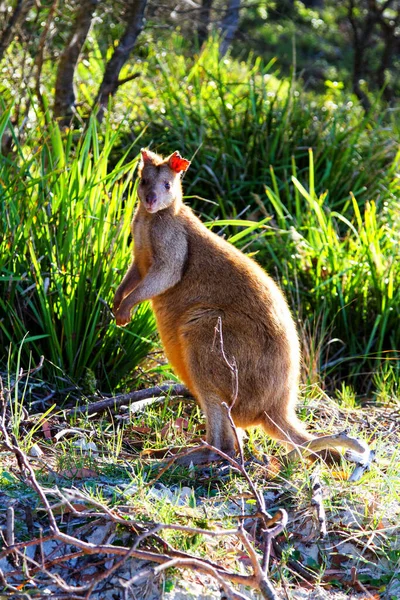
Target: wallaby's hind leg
x,y
211,381
219,431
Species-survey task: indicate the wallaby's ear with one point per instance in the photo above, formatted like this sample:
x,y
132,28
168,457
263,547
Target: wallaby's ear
x,y
145,154
148,158
177,163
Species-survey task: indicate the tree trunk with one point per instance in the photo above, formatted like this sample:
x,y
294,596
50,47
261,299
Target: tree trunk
x,y
229,25
204,21
313,3
389,37
64,100
361,38
20,11
134,17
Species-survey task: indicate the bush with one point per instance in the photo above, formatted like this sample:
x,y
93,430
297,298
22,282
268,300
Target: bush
x,y
63,250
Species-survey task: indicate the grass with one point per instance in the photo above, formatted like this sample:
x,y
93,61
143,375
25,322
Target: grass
x,y
327,224
238,118
342,270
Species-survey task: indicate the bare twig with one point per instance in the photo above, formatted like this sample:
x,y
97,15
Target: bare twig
x,y
10,536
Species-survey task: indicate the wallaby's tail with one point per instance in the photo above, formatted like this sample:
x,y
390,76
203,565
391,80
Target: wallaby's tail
x,y
286,428
290,431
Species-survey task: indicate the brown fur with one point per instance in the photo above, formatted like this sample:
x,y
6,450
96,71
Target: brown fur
x,y
193,277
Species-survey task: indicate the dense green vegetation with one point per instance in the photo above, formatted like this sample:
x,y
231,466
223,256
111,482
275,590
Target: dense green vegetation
x,y
321,173
296,160
63,246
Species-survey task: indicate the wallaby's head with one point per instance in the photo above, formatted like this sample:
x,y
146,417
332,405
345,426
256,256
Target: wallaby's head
x,y
160,179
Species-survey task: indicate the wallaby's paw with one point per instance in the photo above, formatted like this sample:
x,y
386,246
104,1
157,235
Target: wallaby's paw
x,y
117,301
122,318
199,457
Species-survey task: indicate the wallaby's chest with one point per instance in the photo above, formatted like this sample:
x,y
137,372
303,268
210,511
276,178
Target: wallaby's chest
x,y
142,244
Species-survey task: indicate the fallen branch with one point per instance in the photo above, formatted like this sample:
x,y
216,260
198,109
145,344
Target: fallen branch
x,y
141,398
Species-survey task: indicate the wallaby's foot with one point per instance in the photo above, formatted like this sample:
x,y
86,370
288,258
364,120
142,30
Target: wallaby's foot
x,y
199,457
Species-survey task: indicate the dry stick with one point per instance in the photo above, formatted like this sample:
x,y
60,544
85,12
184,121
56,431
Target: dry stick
x,y
264,583
116,516
142,398
10,537
198,565
318,503
93,549
89,548
120,518
50,563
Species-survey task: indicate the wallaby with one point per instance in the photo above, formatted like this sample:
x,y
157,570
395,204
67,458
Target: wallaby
x,y
195,280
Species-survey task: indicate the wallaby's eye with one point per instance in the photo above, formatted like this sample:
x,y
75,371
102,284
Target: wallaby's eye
x,y
167,185
143,181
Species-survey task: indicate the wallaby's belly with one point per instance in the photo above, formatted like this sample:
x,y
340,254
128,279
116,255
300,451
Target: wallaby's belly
x,y
168,327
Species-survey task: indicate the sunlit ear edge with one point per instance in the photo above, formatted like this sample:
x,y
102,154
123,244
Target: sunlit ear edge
x,y
177,163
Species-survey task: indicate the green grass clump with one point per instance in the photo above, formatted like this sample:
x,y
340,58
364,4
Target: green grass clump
x,y
63,250
236,118
344,273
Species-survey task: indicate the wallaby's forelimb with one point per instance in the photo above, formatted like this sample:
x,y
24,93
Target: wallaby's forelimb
x,y
158,280
128,284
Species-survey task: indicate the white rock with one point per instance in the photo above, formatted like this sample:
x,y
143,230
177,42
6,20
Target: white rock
x,y
35,451
85,446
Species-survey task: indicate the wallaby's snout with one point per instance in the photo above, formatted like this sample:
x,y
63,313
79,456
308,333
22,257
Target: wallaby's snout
x,y
151,198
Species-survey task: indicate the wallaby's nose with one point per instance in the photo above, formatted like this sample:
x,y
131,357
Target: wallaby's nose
x,y
151,197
